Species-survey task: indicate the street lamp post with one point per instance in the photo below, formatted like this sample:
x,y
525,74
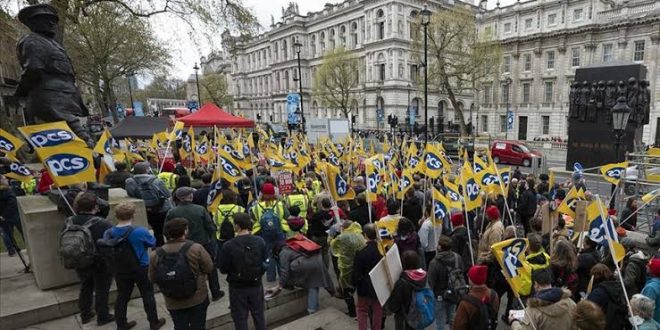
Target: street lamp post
x,y
298,47
408,110
130,90
620,116
199,92
506,116
426,19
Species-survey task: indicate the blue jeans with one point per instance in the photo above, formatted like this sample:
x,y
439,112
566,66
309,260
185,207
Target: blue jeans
x,y
312,300
444,314
272,268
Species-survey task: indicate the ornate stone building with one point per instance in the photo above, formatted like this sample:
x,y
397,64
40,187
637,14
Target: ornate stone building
x,y
544,41
380,33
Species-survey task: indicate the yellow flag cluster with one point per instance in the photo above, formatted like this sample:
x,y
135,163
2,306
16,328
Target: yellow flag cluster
x,y
65,156
338,186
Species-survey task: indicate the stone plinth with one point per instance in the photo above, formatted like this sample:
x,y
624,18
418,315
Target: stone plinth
x,y
42,224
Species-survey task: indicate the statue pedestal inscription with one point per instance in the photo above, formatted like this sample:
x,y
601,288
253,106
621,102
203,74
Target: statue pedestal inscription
x,y
596,88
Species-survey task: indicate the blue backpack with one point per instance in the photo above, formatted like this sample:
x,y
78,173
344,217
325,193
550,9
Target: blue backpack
x,y
421,312
271,229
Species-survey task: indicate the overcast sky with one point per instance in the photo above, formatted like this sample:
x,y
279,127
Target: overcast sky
x,y
186,48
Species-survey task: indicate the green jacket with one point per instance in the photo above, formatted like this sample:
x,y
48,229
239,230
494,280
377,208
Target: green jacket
x,y
201,228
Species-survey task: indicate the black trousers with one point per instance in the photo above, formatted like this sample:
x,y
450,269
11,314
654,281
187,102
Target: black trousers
x,y
192,318
125,284
156,221
213,279
244,301
94,287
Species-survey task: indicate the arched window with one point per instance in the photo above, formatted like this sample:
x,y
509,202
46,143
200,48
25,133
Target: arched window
x,y
286,80
293,46
380,103
414,27
276,51
380,13
332,38
285,51
313,45
380,67
277,81
441,109
342,36
354,35
322,41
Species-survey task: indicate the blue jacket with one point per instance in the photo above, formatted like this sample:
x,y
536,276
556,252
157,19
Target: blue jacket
x,y
652,290
141,239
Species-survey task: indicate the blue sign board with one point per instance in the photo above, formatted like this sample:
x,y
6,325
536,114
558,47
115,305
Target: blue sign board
x,y
120,111
137,109
292,104
192,106
412,114
509,119
380,114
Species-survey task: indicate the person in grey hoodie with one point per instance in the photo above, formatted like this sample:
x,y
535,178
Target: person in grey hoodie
x,y
156,210
428,234
444,262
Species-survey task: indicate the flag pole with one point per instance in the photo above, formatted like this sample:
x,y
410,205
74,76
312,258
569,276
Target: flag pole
x,y
606,219
467,222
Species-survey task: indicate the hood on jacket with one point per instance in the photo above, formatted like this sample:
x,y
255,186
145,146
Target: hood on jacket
x,y
415,277
553,302
446,257
355,228
141,178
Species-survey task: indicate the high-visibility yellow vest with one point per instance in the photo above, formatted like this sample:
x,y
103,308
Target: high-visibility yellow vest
x,y
226,211
258,209
169,179
29,186
300,201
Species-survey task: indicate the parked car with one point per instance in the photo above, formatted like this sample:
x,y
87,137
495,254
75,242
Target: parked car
x,y
513,152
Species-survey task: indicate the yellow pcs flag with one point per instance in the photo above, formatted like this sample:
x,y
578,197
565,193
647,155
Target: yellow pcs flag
x,y
202,151
510,254
229,170
338,186
177,132
374,167
471,190
441,206
187,144
215,192
613,172
9,144
49,135
106,144
569,203
453,195
434,161
68,164
405,182
18,171
647,198
489,181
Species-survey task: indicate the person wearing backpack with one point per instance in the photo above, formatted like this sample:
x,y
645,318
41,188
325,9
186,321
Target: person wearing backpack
x,y
411,301
244,260
608,293
201,229
446,277
301,266
133,272
186,296
478,309
319,224
78,250
224,216
269,216
634,267
156,196
652,287
549,309
344,247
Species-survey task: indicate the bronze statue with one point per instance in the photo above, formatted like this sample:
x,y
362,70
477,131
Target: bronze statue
x,y
47,79
632,98
591,104
573,99
645,101
600,96
585,96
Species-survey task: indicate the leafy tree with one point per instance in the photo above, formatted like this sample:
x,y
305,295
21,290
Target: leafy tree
x,y
337,79
459,56
165,88
214,88
107,45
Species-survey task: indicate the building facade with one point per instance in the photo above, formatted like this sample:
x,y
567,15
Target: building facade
x,y
264,70
545,41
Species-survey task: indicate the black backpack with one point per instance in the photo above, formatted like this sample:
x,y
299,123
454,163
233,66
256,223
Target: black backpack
x,y
248,261
616,315
119,253
152,196
457,286
487,317
226,227
173,274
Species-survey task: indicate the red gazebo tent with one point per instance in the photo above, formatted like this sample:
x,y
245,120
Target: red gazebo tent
x,y
211,115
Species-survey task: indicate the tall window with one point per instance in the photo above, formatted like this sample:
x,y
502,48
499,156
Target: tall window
x,y
545,124
286,79
506,64
354,35
528,23
527,62
313,45
507,27
639,51
578,14
484,123
414,28
381,72
380,26
322,41
550,59
332,38
342,36
504,98
608,52
276,52
549,87
413,73
285,50
502,123
525,93
575,57
487,93
552,19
